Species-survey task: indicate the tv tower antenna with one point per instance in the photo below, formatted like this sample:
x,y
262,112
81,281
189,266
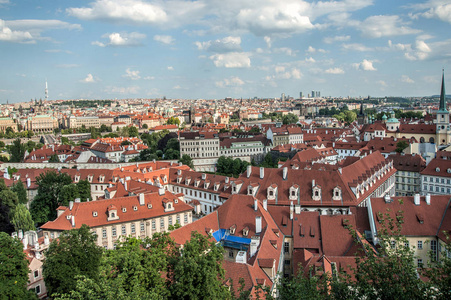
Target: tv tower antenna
x,y
46,91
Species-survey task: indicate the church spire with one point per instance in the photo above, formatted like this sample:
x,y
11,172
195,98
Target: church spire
x,y
443,94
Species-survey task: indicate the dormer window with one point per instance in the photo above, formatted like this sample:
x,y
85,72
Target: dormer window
x,y
135,208
294,192
124,210
272,190
165,179
77,178
112,213
216,187
101,178
187,180
196,183
245,231
337,193
179,179
94,214
176,201
232,229
437,169
149,206
90,178
316,194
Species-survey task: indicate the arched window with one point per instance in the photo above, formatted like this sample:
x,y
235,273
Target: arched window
x,y
431,140
421,139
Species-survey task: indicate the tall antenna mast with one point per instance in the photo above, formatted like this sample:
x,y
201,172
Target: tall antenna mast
x,y
46,91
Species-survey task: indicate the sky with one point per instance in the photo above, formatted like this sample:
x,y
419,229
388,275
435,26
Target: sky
x,y
212,49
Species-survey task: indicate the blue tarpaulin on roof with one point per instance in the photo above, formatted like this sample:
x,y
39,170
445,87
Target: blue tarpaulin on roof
x,y
221,235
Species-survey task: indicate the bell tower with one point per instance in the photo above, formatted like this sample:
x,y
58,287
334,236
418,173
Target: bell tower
x,y
442,121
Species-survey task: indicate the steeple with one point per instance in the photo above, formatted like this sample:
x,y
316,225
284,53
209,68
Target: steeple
x,y
443,94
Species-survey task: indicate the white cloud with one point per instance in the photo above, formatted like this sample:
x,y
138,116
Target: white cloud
x,y
356,47
338,38
285,50
310,59
382,83
383,25
117,39
267,41
89,79
149,78
165,39
122,90
283,72
334,71
232,60
29,31
177,87
406,79
134,11
229,82
227,44
314,50
435,9
133,75
365,65
170,68
67,66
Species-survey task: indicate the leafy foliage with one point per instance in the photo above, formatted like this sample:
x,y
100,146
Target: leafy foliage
x,y
290,119
22,219
229,166
187,160
20,191
13,269
401,145
17,151
74,253
48,198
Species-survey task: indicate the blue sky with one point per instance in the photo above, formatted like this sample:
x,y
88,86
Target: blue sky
x,y
211,49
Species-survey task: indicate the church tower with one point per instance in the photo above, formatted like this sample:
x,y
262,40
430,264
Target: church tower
x,y
443,130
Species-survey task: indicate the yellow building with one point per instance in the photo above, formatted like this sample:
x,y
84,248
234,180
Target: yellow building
x,y
7,122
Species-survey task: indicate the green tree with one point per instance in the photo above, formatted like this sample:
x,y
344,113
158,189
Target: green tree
x,y
84,190
290,119
173,121
17,151
13,269
68,193
21,192
401,145
187,160
5,219
197,273
10,199
74,253
22,219
43,208
349,116
145,126
132,131
54,158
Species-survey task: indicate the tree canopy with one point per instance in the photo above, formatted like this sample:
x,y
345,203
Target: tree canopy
x,y
17,151
187,160
74,253
13,269
48,198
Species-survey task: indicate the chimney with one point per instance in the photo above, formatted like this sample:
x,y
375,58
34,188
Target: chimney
x,y
291,211
265,204
297,209
313,182
284,172
262,172
71,205
340,170
180,164
387,198
125,184
73,221
227,180
249,171
416,199
255,204
141,199
428,199
28,182
204,176
258,224
77,200
161,191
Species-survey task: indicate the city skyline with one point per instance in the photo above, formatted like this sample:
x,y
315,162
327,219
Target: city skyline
x,y
106,49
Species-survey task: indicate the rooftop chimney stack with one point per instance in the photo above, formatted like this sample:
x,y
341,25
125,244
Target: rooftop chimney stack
x,y
313,182
262,172
265,204
416,199
291,211
161,191
71,205
249,171
258,224
428,199
285,172
255,204
141,199
72,219
28,182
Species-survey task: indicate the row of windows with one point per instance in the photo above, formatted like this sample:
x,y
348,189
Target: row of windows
x,y
142,226
437,180
437,189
